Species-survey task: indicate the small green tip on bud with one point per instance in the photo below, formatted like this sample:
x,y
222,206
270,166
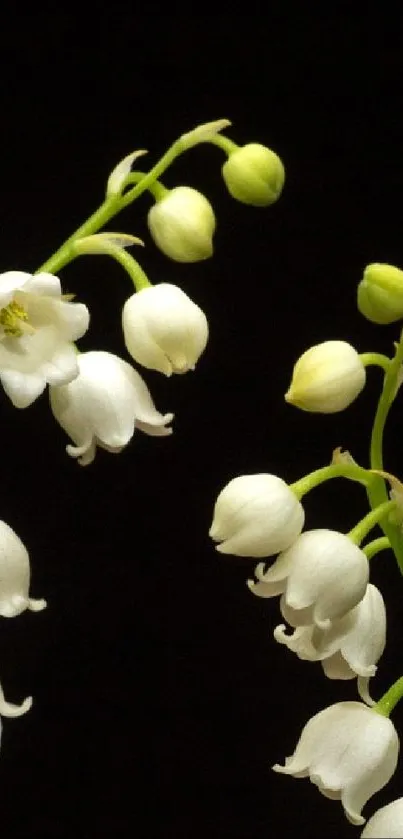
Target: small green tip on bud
x,y
380,293
254,175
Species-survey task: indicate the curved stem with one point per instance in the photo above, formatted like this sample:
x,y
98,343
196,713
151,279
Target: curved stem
x,y
352,472
360,531
376,546
375,358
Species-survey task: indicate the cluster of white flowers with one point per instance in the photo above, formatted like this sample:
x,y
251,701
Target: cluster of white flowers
x,y
98,398
336,616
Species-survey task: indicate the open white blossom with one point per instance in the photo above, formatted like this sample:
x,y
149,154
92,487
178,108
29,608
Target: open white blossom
x,y
15,576
182,224
386,822
163,329
256,515
37,328
320,577
349,751
103,406
352,645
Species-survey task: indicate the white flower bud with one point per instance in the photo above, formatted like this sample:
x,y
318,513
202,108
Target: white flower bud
x,y
103,406
350,647
349,751
320,577
327,378
163,329
256,515
254,175
182,224
386,822
15,576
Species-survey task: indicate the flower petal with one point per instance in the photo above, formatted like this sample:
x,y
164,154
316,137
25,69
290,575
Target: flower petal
x,y
44,283
22,388
10,282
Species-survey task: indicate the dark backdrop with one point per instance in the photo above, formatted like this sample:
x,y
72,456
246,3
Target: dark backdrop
x,y
160,698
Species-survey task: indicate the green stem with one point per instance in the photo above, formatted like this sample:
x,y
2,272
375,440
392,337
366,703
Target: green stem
x,y
377,359
157,189
376,546
376,491
388,701
360,531
109,208
340,470
125,259
224,143
66,253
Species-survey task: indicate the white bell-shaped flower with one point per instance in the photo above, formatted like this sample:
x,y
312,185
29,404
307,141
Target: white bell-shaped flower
x,y
327,378
103,406
182,224
163,329
386,823
320,577
15,576
256,515
349,751
350,647
9,709
37,328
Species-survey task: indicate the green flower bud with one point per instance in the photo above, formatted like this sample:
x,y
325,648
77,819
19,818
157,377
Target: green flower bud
x,y
254,175
380,293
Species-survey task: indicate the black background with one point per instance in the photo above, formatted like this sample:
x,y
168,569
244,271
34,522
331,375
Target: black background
x,y
160,698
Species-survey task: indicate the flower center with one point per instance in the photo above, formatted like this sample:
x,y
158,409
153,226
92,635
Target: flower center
x,y
14,320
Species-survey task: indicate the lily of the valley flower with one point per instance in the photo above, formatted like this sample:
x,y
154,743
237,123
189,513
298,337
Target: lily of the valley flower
x,y
256,515
254,175
37,328
9,709
182,224
352,645
103,406
327,378
320,577
386,822
163,329
15,576
349,751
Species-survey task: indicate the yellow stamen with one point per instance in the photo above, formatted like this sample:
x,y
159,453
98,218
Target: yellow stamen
x,y
14,320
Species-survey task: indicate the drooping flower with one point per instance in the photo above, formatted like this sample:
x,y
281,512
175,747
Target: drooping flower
x,y
15,576
386,822
349,751
182,224
254,175
37,328
256,515
350,647
320,577
163,329
326,378
103,406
